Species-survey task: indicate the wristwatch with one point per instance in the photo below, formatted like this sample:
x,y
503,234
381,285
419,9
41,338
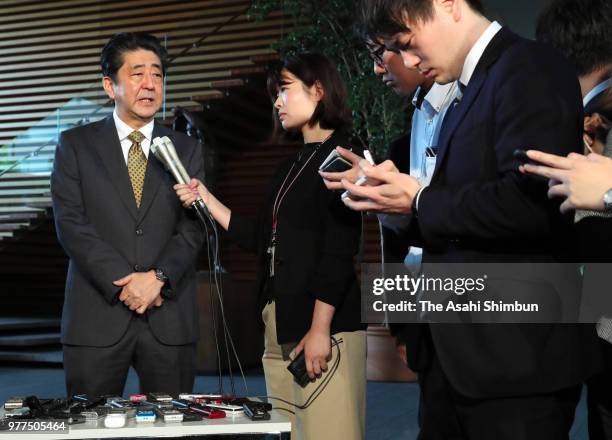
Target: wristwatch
x,y
607,199
161,276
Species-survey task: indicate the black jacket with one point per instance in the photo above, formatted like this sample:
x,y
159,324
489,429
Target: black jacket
x,y
317,238
107,237
479,208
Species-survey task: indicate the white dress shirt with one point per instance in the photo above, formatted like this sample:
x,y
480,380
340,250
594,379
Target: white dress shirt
x,y
475,53
124,130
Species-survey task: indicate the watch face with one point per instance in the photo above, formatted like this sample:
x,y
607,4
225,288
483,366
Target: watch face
x,y
160,275
608,199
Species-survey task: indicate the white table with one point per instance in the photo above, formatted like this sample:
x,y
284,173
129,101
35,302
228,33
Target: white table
x,y
278,427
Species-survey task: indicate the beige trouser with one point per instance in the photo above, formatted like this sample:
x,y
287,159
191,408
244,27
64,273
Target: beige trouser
x,y
339,411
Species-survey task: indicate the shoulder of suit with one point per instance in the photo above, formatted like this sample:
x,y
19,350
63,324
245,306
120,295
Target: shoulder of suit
x,y
85,128
534,58
523,50
177,136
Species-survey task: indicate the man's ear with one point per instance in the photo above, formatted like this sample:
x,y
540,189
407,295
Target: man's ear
x,y
451,7
108,85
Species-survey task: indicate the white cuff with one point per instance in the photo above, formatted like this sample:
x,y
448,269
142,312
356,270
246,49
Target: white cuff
x,y
418,195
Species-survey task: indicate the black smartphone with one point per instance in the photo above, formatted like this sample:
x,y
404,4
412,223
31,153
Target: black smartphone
x,y
190,416
297,367
334,163
521,155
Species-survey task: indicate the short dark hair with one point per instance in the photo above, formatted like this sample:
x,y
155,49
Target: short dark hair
x,y
581,30
385,18
111,58
332,111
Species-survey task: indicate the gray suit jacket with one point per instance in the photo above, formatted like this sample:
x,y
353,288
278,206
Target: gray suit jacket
x,y
107,237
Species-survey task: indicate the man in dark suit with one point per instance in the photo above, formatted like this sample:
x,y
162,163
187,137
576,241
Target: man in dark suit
x,y
582,31
130,295
486,381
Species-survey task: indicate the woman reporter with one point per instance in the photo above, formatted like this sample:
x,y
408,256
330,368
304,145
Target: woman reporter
x,y
305,239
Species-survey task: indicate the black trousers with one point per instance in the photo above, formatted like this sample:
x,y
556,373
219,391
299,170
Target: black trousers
x,y
599,398
446,415
97,371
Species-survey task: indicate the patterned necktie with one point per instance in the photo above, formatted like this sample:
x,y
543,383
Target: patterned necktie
x,y
137,165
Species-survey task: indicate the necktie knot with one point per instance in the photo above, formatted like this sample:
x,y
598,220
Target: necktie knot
x,y
136,137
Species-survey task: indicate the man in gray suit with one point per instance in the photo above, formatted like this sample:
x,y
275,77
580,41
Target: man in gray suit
x,y
130,296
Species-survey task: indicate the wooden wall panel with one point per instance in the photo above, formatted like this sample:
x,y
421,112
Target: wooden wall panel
x,y
49,55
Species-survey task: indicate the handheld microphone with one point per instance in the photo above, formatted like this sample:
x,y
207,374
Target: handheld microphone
x,y
163,149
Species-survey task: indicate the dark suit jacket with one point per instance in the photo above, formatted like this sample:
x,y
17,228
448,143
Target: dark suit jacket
x,y
479,208
107,237
318,238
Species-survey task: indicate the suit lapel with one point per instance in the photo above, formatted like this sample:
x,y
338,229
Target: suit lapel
x,y
109,149
456,116
500,42
153,177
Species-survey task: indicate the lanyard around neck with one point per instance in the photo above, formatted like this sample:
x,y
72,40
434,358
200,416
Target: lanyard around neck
x,y
282,192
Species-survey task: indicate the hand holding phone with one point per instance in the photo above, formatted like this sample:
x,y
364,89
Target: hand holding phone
x,y
363,179
334,163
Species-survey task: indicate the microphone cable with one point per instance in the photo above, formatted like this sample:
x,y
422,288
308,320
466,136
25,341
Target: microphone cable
x,y
164,150
320,387
212,305
216,286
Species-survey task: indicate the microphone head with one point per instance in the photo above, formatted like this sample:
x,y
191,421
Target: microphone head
x,y
170,147
156,144
160,151
163,150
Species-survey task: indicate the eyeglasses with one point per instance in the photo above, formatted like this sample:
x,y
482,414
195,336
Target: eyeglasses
x,y
375,52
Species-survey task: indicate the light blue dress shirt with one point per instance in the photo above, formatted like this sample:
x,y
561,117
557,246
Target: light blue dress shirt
x,y
426,124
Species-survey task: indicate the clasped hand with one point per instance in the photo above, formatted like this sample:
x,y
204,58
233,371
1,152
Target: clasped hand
x,y
140,291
